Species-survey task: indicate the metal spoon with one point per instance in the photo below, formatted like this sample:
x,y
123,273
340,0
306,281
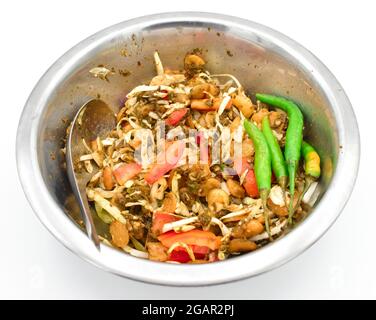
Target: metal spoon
x,y
94,119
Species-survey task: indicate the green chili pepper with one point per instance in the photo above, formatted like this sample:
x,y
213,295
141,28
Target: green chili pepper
x,y
262,167
311,160
294,137
311,168
278,161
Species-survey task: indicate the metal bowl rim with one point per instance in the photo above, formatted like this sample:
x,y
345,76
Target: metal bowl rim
x,y
265,259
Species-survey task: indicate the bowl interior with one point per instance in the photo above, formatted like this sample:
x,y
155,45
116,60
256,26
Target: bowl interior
x,y
260,64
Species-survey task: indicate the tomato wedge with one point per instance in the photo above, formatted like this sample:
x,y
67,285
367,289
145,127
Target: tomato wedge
x,y
204,148
173,154
250,184
181,255
192,237
126,171
240,165
159,220
176,116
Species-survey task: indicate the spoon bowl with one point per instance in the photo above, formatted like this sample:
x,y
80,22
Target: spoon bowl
x,y
94,119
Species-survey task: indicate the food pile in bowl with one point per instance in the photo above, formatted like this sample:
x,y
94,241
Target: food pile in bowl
x,y
196,171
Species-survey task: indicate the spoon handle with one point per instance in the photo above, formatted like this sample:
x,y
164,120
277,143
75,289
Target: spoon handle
x,y
80,194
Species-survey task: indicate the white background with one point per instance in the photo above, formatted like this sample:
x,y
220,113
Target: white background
x,y
34,265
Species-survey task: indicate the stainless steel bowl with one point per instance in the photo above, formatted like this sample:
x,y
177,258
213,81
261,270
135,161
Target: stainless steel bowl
x,y
263,60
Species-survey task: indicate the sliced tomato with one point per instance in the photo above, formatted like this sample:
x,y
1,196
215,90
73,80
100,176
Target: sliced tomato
x,y
173,154
181,255
160,219
175,117
240,165
204,148
250,184
200,251
192,237
126,171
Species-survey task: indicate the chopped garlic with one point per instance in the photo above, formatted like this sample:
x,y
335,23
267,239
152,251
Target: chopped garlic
x,y
311,196
223,105
128,184
277,197
108,142
172,225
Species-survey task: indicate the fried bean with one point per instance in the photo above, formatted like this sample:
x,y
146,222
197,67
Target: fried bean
x,y
157,251
259,115
217,200
208,185
119,233
201,91
248,149
193,62
108,181
244,104
241,245
236,190
248,229
169,203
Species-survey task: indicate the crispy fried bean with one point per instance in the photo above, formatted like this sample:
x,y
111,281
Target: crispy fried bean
x,y
208,185
119,233
108,181
157,252
217,200
236,190
241,245
248,229
169,203
201,91
193,62
244,104
259,115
